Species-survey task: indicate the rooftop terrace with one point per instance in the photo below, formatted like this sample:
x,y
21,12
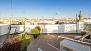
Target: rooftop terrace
x,y
42,40
47,37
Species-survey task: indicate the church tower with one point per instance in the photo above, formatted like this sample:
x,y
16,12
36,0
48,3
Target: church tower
x,y
80,17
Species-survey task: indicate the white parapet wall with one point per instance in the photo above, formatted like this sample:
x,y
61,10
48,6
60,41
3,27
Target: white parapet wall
x,y
3,29
17,29
57,28
70,28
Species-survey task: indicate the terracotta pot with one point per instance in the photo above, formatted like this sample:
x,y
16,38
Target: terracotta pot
x,y
35,36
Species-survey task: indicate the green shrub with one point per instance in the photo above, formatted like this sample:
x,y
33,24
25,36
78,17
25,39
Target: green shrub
x,y
34,31
16,43
25,40
11,44
38,27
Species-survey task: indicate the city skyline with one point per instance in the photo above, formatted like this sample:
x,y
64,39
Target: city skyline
x,y
45,8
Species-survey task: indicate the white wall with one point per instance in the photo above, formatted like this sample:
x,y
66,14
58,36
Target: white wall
x,y
13,29
61,28
50,29
70,28
58,28
3,29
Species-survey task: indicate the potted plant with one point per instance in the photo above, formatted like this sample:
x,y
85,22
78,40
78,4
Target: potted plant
x,y
11,44
16,43
25,41
38,27
35,32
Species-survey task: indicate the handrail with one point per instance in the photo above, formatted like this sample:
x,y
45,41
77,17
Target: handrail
x,y
87,34
26,30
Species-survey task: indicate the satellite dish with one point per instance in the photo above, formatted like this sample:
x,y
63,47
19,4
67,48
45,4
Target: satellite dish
x,y
57,13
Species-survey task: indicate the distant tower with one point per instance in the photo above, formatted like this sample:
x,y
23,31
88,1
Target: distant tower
x,y
80,17
53,18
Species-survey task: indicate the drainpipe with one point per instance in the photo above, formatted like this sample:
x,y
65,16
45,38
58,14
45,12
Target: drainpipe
x,y
76,23
42,24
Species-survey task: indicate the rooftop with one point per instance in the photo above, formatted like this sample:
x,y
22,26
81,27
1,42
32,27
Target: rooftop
x,y
42,40
48,37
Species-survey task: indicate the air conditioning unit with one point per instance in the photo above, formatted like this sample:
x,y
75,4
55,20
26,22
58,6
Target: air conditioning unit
x,y
67,45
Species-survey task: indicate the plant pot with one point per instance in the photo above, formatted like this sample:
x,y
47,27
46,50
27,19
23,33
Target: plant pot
x,y
38,34
25,49
35,36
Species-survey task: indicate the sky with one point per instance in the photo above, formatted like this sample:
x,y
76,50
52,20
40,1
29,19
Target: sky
x,y
45,8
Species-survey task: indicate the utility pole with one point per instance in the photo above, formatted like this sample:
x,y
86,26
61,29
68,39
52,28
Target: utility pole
x,y
24,21
76,22
10,20
11,12
24,17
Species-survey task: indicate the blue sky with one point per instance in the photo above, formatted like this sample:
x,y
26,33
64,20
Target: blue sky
x,y
46,8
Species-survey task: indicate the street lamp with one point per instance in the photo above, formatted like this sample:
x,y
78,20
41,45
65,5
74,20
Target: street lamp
x,y
11,12
24,21
24,14
24,17
10,20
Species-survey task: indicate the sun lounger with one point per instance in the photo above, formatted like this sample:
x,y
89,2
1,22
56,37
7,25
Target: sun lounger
x,y
77,38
